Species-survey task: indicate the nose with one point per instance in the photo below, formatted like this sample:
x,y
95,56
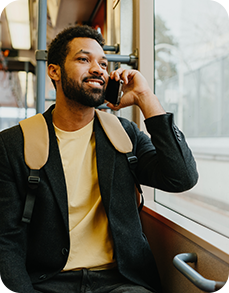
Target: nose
x,y
96,69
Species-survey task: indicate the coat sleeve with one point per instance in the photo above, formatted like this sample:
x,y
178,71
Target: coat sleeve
x,y
12,230
165,161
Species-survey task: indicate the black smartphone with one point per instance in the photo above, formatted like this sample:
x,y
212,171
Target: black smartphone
x,y
114,91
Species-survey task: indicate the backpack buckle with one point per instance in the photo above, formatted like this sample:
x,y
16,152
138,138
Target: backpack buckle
x,y
34,179
132,159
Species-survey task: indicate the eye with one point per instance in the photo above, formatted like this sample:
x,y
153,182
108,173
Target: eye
x,y
104,65
82,59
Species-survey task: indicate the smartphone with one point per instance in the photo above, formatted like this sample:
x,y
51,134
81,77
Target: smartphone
x,y
114,91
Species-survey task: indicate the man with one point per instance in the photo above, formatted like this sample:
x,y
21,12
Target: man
x,y
85,234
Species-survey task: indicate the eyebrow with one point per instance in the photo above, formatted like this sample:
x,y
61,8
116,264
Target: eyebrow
x,y
88,53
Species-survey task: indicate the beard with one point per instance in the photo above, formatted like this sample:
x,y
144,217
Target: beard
x,y
91,97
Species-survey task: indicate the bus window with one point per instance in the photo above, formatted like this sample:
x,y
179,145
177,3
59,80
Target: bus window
x,y
17,99
191,80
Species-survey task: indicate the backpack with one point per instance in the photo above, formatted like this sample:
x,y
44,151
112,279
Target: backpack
x,y
36,151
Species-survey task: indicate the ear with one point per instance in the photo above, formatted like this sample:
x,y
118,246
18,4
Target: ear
x,y
54,72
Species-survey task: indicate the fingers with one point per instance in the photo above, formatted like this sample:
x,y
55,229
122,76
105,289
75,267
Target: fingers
x,y
113,107
123,74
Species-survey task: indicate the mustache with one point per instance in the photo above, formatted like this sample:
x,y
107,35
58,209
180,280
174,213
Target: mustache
x,y
94,78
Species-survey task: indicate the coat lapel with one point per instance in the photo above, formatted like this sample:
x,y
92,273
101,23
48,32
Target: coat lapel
x,y
54,169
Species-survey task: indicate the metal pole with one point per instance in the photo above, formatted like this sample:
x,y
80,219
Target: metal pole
x,y
114,48
41,64
26,86
127,59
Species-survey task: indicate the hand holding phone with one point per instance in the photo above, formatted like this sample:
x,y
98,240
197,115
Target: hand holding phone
x,y
114,91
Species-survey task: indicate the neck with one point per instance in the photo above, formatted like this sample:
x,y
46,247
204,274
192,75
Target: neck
x,y
71,116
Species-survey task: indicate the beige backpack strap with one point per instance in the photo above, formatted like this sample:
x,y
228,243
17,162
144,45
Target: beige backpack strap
x,y
36,150
115,131
122,143
36,141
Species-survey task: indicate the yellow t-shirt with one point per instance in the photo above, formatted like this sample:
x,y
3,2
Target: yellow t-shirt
x,y
91,244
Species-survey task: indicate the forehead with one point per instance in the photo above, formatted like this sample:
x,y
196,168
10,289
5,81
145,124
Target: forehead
x,y
85,44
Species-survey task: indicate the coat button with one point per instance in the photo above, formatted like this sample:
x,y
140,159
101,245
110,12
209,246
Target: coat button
x,y
64,251
42,277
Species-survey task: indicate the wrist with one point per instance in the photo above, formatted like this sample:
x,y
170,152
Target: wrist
x,y
149,104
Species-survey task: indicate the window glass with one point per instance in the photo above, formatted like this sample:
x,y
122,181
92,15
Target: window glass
x,y
17,97
191,80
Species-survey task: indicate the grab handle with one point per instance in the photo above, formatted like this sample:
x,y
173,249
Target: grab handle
x,y
206,285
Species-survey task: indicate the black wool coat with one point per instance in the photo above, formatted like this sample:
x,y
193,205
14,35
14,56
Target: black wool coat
x,y
32,253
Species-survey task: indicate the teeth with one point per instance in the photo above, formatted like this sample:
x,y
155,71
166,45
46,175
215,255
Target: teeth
x,y
94,82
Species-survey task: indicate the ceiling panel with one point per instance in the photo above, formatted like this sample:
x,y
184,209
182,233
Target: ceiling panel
x,y
5,35
70,13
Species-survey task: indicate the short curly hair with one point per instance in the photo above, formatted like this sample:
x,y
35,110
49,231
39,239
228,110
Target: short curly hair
x,y
59,47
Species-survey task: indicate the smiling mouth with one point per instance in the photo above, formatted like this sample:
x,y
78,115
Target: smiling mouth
x,y
95,83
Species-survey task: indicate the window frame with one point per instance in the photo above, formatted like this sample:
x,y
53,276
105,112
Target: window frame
x,y
211,240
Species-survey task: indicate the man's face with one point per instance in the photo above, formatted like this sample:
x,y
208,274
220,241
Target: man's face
x,y
84,75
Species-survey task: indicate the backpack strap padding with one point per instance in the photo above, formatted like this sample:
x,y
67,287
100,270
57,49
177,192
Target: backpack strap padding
x,y
122,143
115,131
36,141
